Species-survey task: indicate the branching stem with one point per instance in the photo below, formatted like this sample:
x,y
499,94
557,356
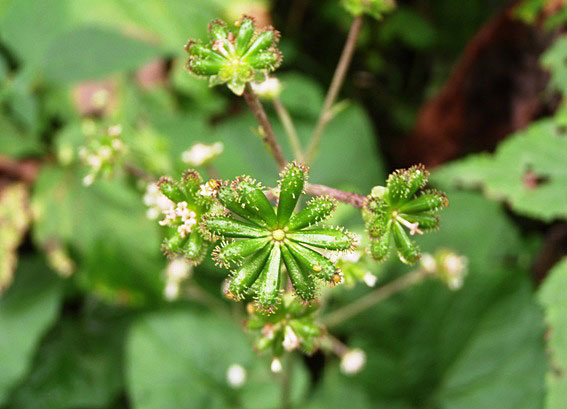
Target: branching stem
x,y
336,84
269,136
346,197
350,310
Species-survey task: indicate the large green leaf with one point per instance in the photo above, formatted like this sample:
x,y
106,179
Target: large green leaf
x,y
79,365
552,297
27,309
555,60
94,52
179,359
528,171
105,224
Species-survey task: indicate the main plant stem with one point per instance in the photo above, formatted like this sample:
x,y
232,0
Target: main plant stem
x,y
268,134
290,130
336,84
374,297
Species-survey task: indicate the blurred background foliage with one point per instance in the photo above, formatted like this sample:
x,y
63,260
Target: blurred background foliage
x,y
83,318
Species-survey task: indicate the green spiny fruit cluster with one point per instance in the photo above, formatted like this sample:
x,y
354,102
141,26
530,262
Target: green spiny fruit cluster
x,y
235,55
292,326
184,238
257,239
389,211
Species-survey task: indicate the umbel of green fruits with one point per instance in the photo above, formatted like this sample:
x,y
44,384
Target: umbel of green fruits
x,y
235,55
292,327
257,240
401,205
190,202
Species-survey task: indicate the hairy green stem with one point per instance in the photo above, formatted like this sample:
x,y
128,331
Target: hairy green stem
x,y
350,198
289,127
268,134
350,310
336,84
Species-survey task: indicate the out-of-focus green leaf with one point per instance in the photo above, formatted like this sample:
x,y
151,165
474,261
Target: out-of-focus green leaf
x,y
555,60
337,392
301,95
14,221
30,26
396,26
106,225
94,52
79,365
528,171
27,309
179,359
552,297
15,141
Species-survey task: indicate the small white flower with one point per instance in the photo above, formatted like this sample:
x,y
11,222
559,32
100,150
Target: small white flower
x,y
171,290
105,153
178,269
369,279
115,130
94,161
455,269
207,190
200,153
236,375
428,263
89,179
351,256
269,88
291,341
353,361
276,365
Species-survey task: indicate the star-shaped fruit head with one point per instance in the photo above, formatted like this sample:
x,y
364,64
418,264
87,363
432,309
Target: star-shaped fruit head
x,y
259,240
402,206
235,55
293,326
189,202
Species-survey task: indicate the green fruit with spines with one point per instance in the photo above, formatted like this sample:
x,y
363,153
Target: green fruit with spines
x,y
283,230
171,190
402,204
235,55
243,278
315,211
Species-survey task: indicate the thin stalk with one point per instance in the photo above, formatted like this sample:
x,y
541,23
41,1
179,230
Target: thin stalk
x,y
374,297
286,383
269,136
289,127
346,197
336,84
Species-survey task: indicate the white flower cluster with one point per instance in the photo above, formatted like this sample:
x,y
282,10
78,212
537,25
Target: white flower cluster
x,y
180,212
176,272
448,266
156,201
101,154
200,154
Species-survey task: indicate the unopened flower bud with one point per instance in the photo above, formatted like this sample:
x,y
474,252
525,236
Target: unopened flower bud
x,y
276,365
236,376
353,361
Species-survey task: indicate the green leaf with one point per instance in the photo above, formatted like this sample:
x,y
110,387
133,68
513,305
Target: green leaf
x,y
528,171
94,52
338,392
77,365
555,60
179,359
105,224
552,297
27,309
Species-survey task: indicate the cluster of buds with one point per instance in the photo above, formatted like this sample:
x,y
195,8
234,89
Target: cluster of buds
x,y
102,154
187,208
177,271
374,8
389,211
292,327
258,240
447,265
201,154
235,55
